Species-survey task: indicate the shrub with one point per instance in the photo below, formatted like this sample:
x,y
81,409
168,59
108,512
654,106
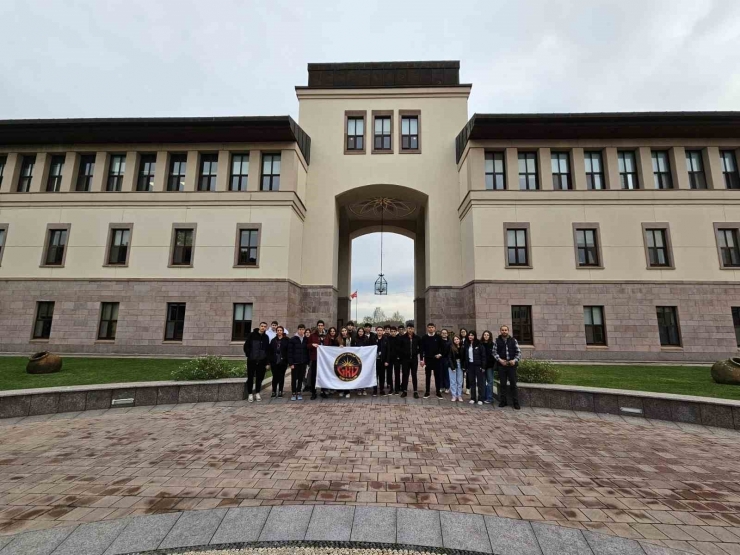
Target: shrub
x,y
208,368
532,370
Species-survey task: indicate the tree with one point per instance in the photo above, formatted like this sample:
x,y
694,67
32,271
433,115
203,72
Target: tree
x,y
397,317
378,316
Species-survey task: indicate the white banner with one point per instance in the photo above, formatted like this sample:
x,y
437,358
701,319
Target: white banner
x,y
346,367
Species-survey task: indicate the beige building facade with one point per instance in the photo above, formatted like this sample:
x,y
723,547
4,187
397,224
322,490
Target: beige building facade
x,y
596,236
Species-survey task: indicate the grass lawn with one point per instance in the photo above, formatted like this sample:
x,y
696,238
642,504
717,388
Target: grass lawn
x,y
86,371
683,380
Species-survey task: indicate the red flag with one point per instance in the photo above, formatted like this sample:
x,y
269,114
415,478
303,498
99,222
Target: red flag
x,y
353,295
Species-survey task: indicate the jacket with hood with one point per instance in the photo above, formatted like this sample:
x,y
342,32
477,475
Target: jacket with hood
x,y
257,346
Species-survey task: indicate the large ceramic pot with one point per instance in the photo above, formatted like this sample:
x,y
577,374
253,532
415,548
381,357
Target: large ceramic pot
x,y
727,371
44,363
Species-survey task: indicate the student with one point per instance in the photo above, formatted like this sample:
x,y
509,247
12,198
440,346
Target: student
x,y
409,349
316,339
256,349
381,363
508,354
474,357
371,338
487,341
344,339
278,361
455,361
447,341
463,342
332,339
394,361
272,330
297,359
431,348
351,330
361,340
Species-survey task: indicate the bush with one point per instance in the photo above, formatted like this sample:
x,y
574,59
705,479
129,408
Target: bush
x,y
532,370
208,368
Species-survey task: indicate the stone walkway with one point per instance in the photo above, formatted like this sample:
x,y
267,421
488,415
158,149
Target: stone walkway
x,y
674,485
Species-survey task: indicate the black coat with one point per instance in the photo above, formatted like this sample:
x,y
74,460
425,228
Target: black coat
x,y
257,346
383,344
394,348
430,346
490,359
298,350
479,356
363,341
279,350
453,357
410,347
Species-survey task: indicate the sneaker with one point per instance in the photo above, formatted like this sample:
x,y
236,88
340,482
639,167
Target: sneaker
x,y
439,396
292,397
300,397
347,396
250,399
416,395
258,397
467,391
480,402
453,399
273,395
403,394
487,402
375,393
280,394
313,396
426,395
471,402
323,395
502,404
516,406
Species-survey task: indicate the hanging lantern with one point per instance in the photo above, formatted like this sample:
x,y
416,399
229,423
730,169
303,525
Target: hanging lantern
x,y
381,285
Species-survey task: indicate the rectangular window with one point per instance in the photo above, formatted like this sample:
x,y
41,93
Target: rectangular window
x,y
116,169
248,249
147,166
528,171
3,161
410,133
271,172
594,170
736,323
668,326
729,169
517,249
3,235
176,177
587,245
239,172
26,176
182,248
521,324
108,321
382,133
355,134
695,167
627,170
85,173
661,170
561,171
495,171
208,172
175,322
118,249
55,246
729,250
54,182
44,316
657,248
242,322
593,319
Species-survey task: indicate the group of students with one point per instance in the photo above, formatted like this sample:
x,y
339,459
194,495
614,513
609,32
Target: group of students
x,y
449,359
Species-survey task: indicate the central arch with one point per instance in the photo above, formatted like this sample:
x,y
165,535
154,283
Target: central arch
x,y
404,211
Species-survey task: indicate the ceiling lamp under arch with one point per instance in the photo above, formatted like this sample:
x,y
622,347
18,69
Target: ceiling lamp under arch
x,y
381,285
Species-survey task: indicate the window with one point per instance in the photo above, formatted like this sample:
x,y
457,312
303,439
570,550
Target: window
x,y
729,169
118,245
528,171
54,182
3,160
56,243
183,240
175,322
147,166
116,169
495,171
736,323
695,167
85,173
176,178
208,171
242,323
561,171
239,172
517,245
3,236
382,132
729,249
354,137
108,321
594,170
627,170
668,326
26,176
588,252
247,245
271,172
410,131
521,324
661,170
656,241
44,316
593,319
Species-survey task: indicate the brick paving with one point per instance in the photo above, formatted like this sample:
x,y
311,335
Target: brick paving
x,y
671,484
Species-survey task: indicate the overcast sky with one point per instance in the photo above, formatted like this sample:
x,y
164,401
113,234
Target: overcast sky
x,y
183,58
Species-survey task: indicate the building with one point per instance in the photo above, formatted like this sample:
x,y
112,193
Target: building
x,y
597,236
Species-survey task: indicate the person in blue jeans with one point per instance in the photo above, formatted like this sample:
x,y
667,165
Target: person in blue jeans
x,y
487,341
446,375
456,369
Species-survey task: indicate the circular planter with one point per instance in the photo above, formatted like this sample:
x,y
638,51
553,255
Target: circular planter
x,y
44,363
727,371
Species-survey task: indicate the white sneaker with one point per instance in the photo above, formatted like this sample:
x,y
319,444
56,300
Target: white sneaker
x,y
467,391
259,397
347,395
471,402
480,402
250,399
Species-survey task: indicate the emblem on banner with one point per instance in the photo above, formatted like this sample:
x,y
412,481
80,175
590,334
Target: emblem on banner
x,y
347,367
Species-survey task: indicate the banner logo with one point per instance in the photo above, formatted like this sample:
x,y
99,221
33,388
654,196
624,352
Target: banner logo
x,y
347,367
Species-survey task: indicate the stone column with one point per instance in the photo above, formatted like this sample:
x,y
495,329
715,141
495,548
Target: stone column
x,y
100,173
131,172
40,172
611,168
645,168
255,170
161,171
544,168
69,172
713,168
512,169
192,170
11,173
224,170
344,277
679,170
578,169
421,261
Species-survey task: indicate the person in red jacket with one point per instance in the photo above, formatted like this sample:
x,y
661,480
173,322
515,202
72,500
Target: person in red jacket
x,y
316,339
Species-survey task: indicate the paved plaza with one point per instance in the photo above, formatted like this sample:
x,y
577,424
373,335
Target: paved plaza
x,y
662,483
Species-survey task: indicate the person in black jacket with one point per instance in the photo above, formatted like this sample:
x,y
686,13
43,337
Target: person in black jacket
x,y
409,352
381,362
394,361
432,350
474,358
297,359
456,369
463,341
279,361
487,340
256,349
